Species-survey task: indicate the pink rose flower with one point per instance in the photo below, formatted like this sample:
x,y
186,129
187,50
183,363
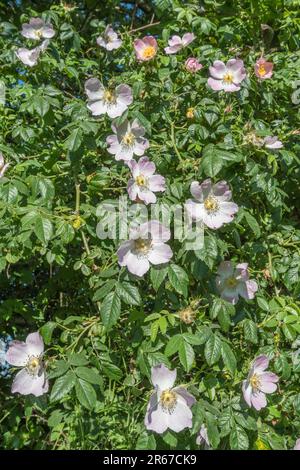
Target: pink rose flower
x,y
112,102
144,183
128,140
29,356
176,43
146,245
263,69
258,383
30,57
226,77
211,203
193,65
169,407
109,39
234,282
145,48
37,29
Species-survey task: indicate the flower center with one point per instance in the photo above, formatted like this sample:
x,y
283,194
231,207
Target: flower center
x,y
142,245
211,204
231,282
140,180
33,365
261,70
148,52
190,113
255,382
109,97
168,400
128,139
38,33
228,78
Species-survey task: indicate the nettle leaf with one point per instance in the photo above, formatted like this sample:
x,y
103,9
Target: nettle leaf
x,y
212,350
110,309
178,279
63,385
85,393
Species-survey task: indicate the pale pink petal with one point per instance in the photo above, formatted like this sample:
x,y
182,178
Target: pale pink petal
x,y
160,254
17,354
162,377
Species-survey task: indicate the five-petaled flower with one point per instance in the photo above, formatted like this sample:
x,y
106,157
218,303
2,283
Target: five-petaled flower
x,y
37,29
226,77
128,140
31,379
176,43
258,383
112,102
234,282
30,57
145,48
3,165
263,69
212,203
144,183
192,65
146,245
169,407
109,39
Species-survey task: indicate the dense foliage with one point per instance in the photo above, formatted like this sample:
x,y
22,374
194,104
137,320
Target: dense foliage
x,y
103,327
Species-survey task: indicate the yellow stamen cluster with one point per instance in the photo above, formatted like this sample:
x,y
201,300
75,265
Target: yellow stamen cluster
x,y
255,381
140,180
148,52
231,282
261,70
228,78
33,365
168,400
142,245
211,204
128,139
109,97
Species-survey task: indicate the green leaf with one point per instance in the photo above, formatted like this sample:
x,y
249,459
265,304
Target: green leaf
x,y
253,224
178,279
146,441
110,309
238,438
212,350
60,369
62,386
173,345
250,330
113,372
228,357
73,142
43,229
104,290
186,355
85,393
47,330
76,359
129,293
157,276
90,375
